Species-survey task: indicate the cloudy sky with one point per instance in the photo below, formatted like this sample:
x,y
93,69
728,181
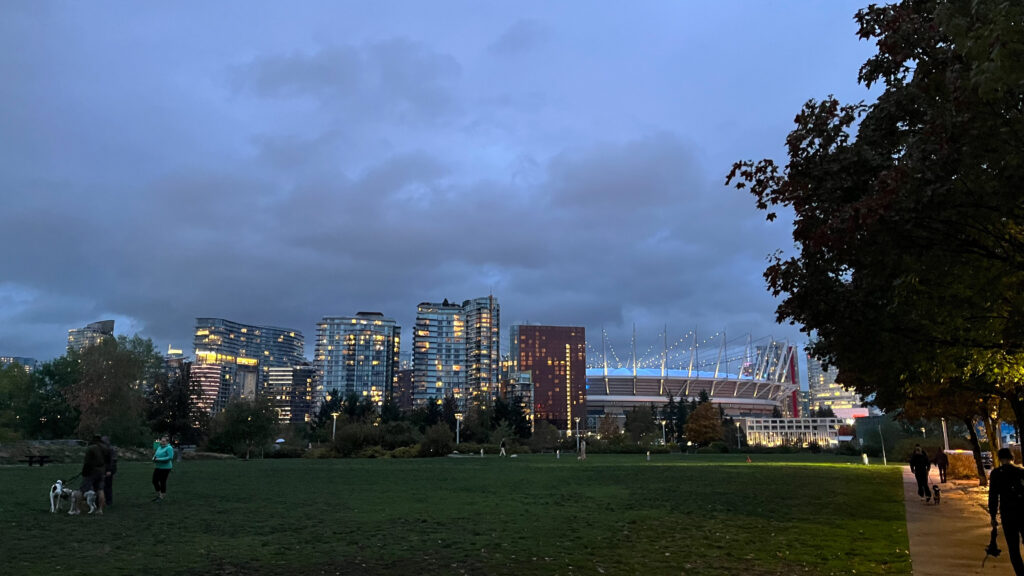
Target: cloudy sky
x,y
273,163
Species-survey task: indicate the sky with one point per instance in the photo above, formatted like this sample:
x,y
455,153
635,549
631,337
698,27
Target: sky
x,y
273,163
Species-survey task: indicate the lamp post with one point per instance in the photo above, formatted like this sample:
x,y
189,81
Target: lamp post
x,y
577,419
334,431
738,446
662,431
922,432
458,427
945,435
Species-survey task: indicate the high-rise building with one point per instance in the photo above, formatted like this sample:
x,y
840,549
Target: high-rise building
x,y
483,339
402,393
556,359
825,392
456,350
438,353
243,354
91,334
357,354
29,364
292,390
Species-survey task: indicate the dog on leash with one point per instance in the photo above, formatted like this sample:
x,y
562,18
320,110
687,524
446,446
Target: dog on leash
x,y
935,494
57,493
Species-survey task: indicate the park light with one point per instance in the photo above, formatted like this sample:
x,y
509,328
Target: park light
x,y
577,419
334,432
738,447
458,426
662,431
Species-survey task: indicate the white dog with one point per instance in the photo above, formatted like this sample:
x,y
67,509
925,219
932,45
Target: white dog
x,y
57,493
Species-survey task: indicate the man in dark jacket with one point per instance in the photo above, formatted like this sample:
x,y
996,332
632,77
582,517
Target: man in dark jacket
x,y
93,472
1006,494
919,465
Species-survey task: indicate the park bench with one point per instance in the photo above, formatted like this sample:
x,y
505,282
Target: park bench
x,y
40,459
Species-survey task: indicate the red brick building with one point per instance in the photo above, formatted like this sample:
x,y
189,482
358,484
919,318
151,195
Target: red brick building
x,y
556,358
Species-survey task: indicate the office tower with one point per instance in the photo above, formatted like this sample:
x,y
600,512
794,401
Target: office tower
x,y
439,353
556,359
292,391
483,360
94,333
244,354
357,354
825,392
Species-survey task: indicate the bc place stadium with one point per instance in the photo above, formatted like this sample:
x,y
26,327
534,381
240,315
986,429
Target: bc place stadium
x,y
746,377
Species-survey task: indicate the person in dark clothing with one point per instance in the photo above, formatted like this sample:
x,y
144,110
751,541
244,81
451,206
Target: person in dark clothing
x,y
93,473
919,465
941,462
111,465
1005,496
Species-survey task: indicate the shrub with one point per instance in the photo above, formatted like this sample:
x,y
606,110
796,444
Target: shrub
x,y
321,452
372,452
437,441
962,467
287,452
405,452
719,447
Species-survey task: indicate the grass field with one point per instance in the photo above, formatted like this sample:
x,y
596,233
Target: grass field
x,y
612,514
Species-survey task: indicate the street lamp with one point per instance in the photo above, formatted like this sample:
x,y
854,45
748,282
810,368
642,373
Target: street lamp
x,y
662,431
458,426
922,432
738,446
577,419
334,431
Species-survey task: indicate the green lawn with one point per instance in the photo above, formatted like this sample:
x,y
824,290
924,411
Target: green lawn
x,y
612,514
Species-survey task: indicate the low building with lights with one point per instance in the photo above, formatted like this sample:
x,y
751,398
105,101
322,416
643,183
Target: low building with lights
x,y
792,431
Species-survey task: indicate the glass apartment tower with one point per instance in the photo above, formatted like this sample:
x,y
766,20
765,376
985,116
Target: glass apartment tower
x,y
357,354
238,358
825,392
456,351
94,333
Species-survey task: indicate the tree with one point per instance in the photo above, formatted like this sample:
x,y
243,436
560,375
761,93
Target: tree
x,y
824,412
911,251
608,426
15,396
49,412
322,425
242,426
173,406
640,423
704,425
545,436
109,394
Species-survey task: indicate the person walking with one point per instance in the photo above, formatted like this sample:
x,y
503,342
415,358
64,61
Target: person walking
x,y
919,465
1006,495
163,460
502,446
941,462
111,466
583,449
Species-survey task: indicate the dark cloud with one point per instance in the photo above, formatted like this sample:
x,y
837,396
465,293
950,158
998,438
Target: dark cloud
x,y
522,36
567,161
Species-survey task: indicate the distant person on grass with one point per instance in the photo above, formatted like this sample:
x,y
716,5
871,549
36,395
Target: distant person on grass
x,y
1006,495
919,465
941,462
502,446
163,460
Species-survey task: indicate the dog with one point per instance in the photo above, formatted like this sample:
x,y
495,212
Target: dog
x,y
935,494
57,493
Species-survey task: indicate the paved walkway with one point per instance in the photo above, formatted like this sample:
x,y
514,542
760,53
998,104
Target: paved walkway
x,y
951,538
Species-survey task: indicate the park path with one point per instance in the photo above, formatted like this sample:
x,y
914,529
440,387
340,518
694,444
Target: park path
x,y
951,538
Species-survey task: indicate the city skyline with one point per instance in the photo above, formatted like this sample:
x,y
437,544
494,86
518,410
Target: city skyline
x,y
568,161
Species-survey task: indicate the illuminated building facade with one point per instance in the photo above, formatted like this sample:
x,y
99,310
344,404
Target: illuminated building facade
x,y
438,353
456,351
29,364
483,338
357,354
293,392
244,354
556,359
94,333
791,431
825,392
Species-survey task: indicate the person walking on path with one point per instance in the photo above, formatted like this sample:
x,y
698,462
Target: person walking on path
x,y
1006,495
163,461
583,449
941,462
502,446
919,465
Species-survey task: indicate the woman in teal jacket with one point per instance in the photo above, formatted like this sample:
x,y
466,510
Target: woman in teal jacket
x,y
164,461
